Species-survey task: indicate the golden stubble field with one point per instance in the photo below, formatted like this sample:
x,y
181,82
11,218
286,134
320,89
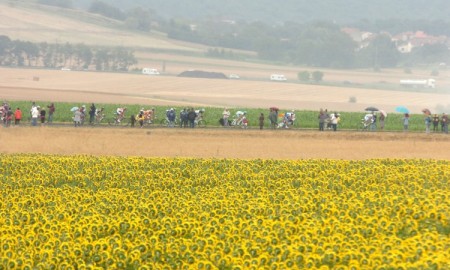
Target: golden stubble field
x,y
223,143
82,86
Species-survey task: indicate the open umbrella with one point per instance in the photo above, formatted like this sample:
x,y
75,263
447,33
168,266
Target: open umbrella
x,y
426,111
401,109
74,109
383,113
371,109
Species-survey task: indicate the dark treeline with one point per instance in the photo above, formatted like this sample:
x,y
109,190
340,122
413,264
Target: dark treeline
x,y
77,56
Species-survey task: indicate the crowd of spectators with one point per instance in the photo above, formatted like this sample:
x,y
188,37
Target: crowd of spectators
x,y
189,117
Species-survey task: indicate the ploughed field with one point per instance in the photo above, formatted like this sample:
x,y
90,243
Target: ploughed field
x,y
205,213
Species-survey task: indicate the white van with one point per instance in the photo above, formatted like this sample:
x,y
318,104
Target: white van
x,y
277,77
150,71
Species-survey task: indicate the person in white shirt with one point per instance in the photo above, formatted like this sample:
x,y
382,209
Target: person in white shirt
x,y
34,115
334,121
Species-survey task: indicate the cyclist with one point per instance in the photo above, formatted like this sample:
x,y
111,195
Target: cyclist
x,y
149,115
120,112
239,117
99,114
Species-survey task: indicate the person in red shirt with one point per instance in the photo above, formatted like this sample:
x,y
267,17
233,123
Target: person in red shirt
x,y
17,116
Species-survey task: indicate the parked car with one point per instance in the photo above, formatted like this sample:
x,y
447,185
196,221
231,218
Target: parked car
x,y
277,77
150,71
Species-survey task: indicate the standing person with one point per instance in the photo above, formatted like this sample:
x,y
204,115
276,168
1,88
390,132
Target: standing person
x,y
444,121
334,121
225,115
42,115
17,116
405,122
427,123
34,115
140,118
171,116
382,118
33,105
92,111
322,119
191,117
51,111
184,118
273,115
77,118
435,122
261,121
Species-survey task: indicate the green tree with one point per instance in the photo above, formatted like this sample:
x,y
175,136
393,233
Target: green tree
x,y
304,76
5,47
121,59
317,76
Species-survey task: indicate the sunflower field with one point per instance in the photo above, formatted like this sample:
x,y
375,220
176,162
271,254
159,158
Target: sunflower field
x,y
87,212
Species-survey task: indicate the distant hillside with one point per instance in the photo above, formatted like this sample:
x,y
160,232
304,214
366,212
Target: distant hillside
x,y
38,23
342,11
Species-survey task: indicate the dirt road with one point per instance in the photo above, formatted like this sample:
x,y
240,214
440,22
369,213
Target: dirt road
x,y
223,143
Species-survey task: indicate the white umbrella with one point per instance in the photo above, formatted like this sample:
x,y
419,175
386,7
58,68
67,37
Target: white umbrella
x,y
383,113
74,109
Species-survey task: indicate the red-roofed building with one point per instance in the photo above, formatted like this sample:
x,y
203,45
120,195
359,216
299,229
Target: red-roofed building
x,y
407,41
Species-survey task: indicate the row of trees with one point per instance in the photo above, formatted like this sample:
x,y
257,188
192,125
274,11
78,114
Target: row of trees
x,y
78,56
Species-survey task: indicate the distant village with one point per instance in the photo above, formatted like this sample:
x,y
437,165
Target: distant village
x,y
405,41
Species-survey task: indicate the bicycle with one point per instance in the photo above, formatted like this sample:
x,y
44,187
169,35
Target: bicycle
x,y
98,120
119,121
364,125
166,123
199,123
237,122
